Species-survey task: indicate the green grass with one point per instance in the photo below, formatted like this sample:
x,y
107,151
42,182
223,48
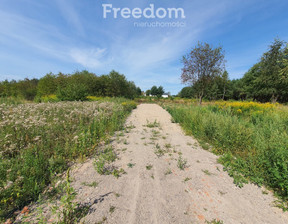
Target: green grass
x,y
214,221
103,160
168,171
181,163
252,139
93,184
207,172
117,173
38,141
112,209
149,167
186,179
117,195
155,133
104,219
168,146
130,165
68,211
11,100
159,152
154,124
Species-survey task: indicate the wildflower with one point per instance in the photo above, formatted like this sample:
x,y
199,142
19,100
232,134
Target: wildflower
x,y
25,210
37,138
9,184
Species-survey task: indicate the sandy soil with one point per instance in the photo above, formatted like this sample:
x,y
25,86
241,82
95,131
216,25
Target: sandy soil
x,y
155,190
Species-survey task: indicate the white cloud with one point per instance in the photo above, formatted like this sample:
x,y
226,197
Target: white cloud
x,y
90,58
148,56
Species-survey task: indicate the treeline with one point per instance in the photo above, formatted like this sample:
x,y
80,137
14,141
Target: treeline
x,y
266,81
69,87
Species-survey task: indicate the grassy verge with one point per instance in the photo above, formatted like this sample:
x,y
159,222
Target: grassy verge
x,y
251,137
38,141
11,100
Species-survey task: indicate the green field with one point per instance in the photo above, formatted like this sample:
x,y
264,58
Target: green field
x,y
39,142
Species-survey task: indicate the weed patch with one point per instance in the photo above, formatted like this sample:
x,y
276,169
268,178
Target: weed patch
x,y
168,171
207,172
154,124
130,165
214,221
38,141
186,179
251,138
93,184
69,211
149,167
181,163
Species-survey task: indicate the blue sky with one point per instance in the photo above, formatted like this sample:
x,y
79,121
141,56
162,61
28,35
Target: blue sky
x,y
38,37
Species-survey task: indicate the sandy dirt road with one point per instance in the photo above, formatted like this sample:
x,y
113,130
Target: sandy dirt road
x,y
155,190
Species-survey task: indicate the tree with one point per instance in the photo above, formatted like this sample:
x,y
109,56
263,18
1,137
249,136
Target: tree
x,y
132,91
76,86
27,88
154,90
47,85
117,84
201,66
86,78
148,92
249,86
284,69
270,84
225,80
186,92
284,74
72,91
138,91
9,88
5,87
213,90
160,91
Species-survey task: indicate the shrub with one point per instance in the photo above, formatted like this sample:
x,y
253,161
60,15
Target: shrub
x,y
94,98
49,98
73,91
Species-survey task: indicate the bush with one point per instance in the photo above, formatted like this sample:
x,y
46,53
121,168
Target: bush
x,y
129,105
72,92
50,98
94,98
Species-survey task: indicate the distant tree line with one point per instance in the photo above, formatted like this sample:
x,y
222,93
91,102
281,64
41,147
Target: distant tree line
x,y
76,86
155,91
266,81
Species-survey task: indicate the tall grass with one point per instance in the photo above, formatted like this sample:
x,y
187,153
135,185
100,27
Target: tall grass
x,y
11,100
39,140
251,137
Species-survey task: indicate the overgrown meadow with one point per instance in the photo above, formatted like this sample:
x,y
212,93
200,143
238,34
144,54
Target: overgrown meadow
x,y
251,137
38,141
